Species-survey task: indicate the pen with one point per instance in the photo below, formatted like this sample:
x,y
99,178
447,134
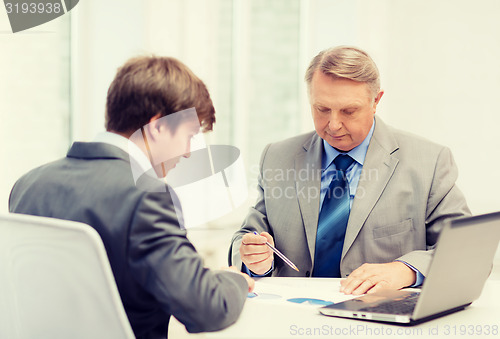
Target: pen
x,y
281,255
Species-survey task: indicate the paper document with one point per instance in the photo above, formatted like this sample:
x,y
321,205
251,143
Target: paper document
x,y
303,291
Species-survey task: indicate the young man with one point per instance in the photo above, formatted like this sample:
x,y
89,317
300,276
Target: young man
x,y
154,106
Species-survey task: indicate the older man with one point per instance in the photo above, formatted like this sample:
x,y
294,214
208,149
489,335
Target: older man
x,y
354,199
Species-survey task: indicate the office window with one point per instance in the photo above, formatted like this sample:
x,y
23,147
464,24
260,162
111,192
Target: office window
x,y
261,90
250,53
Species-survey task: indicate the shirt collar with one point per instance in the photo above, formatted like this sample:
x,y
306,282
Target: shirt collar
x,y
128,146
358,153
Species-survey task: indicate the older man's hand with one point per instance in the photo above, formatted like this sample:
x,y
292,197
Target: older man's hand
x,y
370,278
255,254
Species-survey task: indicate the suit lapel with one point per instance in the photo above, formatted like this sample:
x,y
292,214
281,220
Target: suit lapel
x,y
308,186
379,166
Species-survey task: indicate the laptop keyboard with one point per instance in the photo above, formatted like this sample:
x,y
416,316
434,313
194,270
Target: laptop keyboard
x,y
402,306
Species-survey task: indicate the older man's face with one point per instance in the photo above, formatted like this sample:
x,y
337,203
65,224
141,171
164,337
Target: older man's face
x,y
342,110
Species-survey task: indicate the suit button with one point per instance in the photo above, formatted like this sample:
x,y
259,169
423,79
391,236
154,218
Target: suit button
x,y
308,274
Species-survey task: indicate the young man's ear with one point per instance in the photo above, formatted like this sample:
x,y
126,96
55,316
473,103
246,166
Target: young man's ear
x,y
152,129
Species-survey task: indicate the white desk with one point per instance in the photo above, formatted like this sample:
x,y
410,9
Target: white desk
x,y
278,318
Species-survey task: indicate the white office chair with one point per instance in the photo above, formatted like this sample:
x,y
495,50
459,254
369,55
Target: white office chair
x,y
56,282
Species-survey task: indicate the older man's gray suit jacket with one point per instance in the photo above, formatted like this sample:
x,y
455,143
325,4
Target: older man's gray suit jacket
x,y
156,268
405,193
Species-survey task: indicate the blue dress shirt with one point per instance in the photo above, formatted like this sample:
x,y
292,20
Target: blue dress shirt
x,y
352,173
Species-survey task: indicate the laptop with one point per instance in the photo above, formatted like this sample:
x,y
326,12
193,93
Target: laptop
x,y
462,262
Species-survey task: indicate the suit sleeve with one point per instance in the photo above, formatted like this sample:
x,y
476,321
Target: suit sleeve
x,y
445,201
167,265
256,219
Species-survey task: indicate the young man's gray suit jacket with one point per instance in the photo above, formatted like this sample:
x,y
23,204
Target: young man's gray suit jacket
x,y
405,193
156,268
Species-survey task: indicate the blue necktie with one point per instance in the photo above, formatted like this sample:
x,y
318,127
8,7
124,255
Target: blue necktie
x,y
332,222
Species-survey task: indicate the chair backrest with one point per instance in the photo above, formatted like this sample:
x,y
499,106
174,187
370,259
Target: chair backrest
x,y
56,281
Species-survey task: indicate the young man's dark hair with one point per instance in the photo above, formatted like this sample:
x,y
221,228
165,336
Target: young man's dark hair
x,y
146,86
